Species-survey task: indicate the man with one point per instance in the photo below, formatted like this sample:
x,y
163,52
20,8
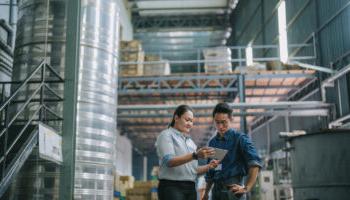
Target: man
x,y
241,159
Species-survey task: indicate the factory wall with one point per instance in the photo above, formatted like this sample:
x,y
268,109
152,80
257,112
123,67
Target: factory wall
x,y
325,23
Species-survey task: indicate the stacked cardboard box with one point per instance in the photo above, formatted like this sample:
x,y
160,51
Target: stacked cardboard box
x,y
217,60
131,51
141,191
117,186
255,67
154,180
122,184
278,65
158,67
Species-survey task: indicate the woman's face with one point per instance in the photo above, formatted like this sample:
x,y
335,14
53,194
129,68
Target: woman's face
x,y
184,123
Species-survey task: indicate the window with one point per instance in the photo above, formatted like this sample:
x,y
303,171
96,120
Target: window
x,y
282,31
249,54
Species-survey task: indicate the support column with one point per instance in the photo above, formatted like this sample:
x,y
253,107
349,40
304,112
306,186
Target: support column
x,y
288,145
243,122
70,100
145,168
268,139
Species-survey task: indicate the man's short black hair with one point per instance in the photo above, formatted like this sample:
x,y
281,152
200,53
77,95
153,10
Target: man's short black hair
x,y
223,108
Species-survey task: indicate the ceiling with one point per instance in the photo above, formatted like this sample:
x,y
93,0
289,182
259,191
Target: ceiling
x,y
175,27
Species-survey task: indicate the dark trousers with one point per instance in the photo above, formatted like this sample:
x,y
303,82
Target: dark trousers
x,y
220,190
176,190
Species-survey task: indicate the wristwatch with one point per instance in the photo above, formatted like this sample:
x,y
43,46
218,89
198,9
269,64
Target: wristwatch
x,y
195,156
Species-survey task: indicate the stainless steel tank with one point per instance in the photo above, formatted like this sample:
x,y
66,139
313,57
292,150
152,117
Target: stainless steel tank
x,y
97,102
321,166
40,35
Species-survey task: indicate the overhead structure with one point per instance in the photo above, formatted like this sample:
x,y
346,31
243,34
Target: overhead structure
x,y
179,32
146,103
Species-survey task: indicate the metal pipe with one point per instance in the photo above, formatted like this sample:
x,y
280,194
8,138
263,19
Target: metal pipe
x,y
243,121
11,13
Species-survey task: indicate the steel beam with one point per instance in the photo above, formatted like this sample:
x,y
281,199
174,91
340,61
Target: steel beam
x,y
263,105
152,124
241,85
314,67
189,83
164,9
187,21
300,112
176,84
66,189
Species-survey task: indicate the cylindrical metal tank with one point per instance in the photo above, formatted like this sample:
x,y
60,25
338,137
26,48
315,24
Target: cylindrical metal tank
x,y
97,102
40,35
321,166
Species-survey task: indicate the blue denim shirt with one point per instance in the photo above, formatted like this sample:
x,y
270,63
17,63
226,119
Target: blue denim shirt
x,y
240,156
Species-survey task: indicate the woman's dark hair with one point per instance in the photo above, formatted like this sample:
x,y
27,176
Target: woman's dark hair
x,y
222,108
179,111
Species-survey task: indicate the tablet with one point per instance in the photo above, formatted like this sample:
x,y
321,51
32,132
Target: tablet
x,y
219,153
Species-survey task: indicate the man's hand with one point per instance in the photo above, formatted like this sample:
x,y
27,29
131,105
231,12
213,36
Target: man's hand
x,y
213,164
237,189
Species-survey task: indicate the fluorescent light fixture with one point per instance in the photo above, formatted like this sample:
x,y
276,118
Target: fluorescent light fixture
x,y
282,30
249,54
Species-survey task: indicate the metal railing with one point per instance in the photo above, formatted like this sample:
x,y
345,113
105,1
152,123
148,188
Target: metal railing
x,y
13,147
236,57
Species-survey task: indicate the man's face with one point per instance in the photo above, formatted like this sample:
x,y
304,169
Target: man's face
x,y
222,122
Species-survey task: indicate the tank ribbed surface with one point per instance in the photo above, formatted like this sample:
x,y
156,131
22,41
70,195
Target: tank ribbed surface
x,y
96,114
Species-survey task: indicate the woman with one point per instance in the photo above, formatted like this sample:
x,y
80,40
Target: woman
x,y
178,156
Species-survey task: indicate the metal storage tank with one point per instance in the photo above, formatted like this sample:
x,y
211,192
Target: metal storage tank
x,y
97,102
41,34
321,165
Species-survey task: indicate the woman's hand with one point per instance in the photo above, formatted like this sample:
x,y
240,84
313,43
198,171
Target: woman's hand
x,y
205,152
205,196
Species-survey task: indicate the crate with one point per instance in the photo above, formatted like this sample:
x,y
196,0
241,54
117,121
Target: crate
x,y
131,56
143,190
217,60
132,45
159,67
132,69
